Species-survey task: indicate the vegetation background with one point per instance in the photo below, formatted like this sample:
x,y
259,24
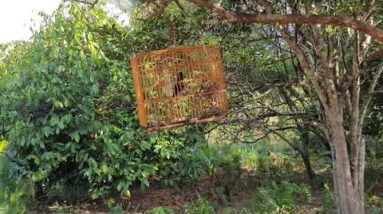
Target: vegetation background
x,y
70,140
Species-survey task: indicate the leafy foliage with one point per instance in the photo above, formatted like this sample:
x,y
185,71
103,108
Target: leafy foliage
x,y
201,206
160,210
15,192
277,198
69,112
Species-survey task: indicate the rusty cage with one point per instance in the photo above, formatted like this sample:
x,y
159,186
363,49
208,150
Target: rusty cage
x,y
180,85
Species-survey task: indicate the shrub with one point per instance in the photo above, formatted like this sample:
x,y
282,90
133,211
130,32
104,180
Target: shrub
x,y
194,161
375,204
160,210
15,192
328,200
201,206
277,198
68,108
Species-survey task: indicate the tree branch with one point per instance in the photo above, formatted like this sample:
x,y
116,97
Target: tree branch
x,y
278,19
371,92
92,4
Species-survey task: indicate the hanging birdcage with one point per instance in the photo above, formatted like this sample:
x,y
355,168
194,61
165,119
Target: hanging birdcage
x,y
180,85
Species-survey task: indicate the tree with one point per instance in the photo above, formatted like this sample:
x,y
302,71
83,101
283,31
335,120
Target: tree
x,y
332,52
264,89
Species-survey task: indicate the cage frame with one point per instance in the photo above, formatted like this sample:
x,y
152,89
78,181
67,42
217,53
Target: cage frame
x,y
139,92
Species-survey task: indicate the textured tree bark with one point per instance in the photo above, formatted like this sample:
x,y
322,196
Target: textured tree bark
x,y
356,132
360,173
349,202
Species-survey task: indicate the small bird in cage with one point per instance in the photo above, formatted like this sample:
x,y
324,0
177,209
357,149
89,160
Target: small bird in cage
x,y
179,85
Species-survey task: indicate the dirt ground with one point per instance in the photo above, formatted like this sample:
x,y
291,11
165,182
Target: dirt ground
x,y
233,197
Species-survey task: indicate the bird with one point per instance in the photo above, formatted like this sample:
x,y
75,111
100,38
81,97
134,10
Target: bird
x,y
179,85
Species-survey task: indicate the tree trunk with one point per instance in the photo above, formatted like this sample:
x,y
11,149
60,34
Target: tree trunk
x,y
309,169
305,154
348,199
358,173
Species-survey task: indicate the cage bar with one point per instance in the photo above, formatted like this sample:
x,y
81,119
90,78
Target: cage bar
x,y
178,86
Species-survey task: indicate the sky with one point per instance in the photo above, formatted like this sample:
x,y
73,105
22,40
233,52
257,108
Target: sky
x,y
16,17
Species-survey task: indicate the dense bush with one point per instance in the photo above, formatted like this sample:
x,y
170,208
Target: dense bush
x,y
67,108
277,198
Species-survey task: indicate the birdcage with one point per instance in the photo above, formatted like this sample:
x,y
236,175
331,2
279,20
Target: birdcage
x,y
180,85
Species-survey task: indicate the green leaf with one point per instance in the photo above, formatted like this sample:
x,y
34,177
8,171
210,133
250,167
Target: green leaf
x,y
47,131
37,176
54,120
94,89
58,104
75,136
92,163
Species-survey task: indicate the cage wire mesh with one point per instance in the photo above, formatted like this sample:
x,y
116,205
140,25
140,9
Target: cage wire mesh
x,y
180,85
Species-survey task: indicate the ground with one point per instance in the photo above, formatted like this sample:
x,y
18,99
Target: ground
x,y
278,184
180,196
